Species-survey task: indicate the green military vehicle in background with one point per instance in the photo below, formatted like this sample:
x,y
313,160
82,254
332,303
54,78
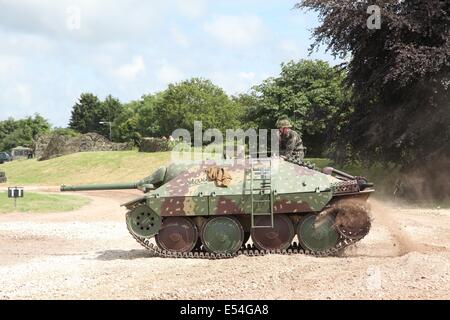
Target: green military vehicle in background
x,y
5,157
211,209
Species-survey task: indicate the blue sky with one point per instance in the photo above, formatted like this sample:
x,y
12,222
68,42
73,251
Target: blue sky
x,y
51,51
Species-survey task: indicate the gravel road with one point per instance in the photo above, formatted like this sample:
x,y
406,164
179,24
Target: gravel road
x,y
88,254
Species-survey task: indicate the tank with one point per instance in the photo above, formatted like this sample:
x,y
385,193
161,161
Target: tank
x,y
227,208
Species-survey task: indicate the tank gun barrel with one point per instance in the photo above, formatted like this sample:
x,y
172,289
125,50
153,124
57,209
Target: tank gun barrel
x,y
145,185
94,187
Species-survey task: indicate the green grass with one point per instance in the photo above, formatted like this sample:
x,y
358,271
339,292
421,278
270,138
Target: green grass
x,y
86,167
320,162
42,203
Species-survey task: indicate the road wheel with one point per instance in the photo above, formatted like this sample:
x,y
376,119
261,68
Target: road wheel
x,y
222,235
277,238
177,234
317,234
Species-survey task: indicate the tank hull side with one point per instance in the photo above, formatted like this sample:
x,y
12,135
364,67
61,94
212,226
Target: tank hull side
x,y
238,204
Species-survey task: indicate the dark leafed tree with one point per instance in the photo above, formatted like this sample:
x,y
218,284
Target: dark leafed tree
x,y
89,112
85,114
400,74
109,110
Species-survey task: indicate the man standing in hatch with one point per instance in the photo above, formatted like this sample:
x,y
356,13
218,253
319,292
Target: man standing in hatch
x,y
291,144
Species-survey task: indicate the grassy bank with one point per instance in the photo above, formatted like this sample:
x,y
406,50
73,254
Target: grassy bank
x,y
42,203
87,167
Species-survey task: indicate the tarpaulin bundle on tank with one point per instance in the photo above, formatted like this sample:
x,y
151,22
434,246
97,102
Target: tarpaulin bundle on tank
x,y
220,175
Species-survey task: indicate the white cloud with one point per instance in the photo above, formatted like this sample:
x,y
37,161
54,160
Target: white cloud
x,y
18,96
169,73
235,82
192,8
15,92
82,20
132,70
247,75
291,50
236,31
23,94
179,37
10,65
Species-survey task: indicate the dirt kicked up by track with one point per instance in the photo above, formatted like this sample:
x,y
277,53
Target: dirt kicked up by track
x,y
89,254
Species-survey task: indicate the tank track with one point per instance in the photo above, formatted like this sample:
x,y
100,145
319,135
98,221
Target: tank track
x,y
249,250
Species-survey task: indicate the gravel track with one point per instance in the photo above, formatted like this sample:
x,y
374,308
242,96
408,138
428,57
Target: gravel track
x,y
88,254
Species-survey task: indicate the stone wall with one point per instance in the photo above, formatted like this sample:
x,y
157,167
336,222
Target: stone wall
x,y
48,147
40,144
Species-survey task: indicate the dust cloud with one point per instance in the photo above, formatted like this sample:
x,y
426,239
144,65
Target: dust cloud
x,y
385,215
425,183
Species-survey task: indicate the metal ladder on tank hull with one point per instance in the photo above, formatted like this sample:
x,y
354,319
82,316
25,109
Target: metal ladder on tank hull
x,y
261,190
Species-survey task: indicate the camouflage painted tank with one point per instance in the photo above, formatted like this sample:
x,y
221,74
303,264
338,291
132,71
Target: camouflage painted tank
x,y
212,209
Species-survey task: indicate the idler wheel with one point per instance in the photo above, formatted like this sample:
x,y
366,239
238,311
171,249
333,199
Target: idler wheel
x,y
144,222
352,219
317,233
222,235
277,238
178,234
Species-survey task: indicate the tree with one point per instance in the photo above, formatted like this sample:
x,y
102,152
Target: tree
x,y
148,124
196,100
14,133
64,132
125,127
89,111
400,75
137,119
85,114
109,110
311,94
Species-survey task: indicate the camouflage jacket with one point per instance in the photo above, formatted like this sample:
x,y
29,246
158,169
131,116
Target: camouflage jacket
x,y
291,146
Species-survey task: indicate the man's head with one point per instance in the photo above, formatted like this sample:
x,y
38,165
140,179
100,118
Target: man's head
x,y
284,125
